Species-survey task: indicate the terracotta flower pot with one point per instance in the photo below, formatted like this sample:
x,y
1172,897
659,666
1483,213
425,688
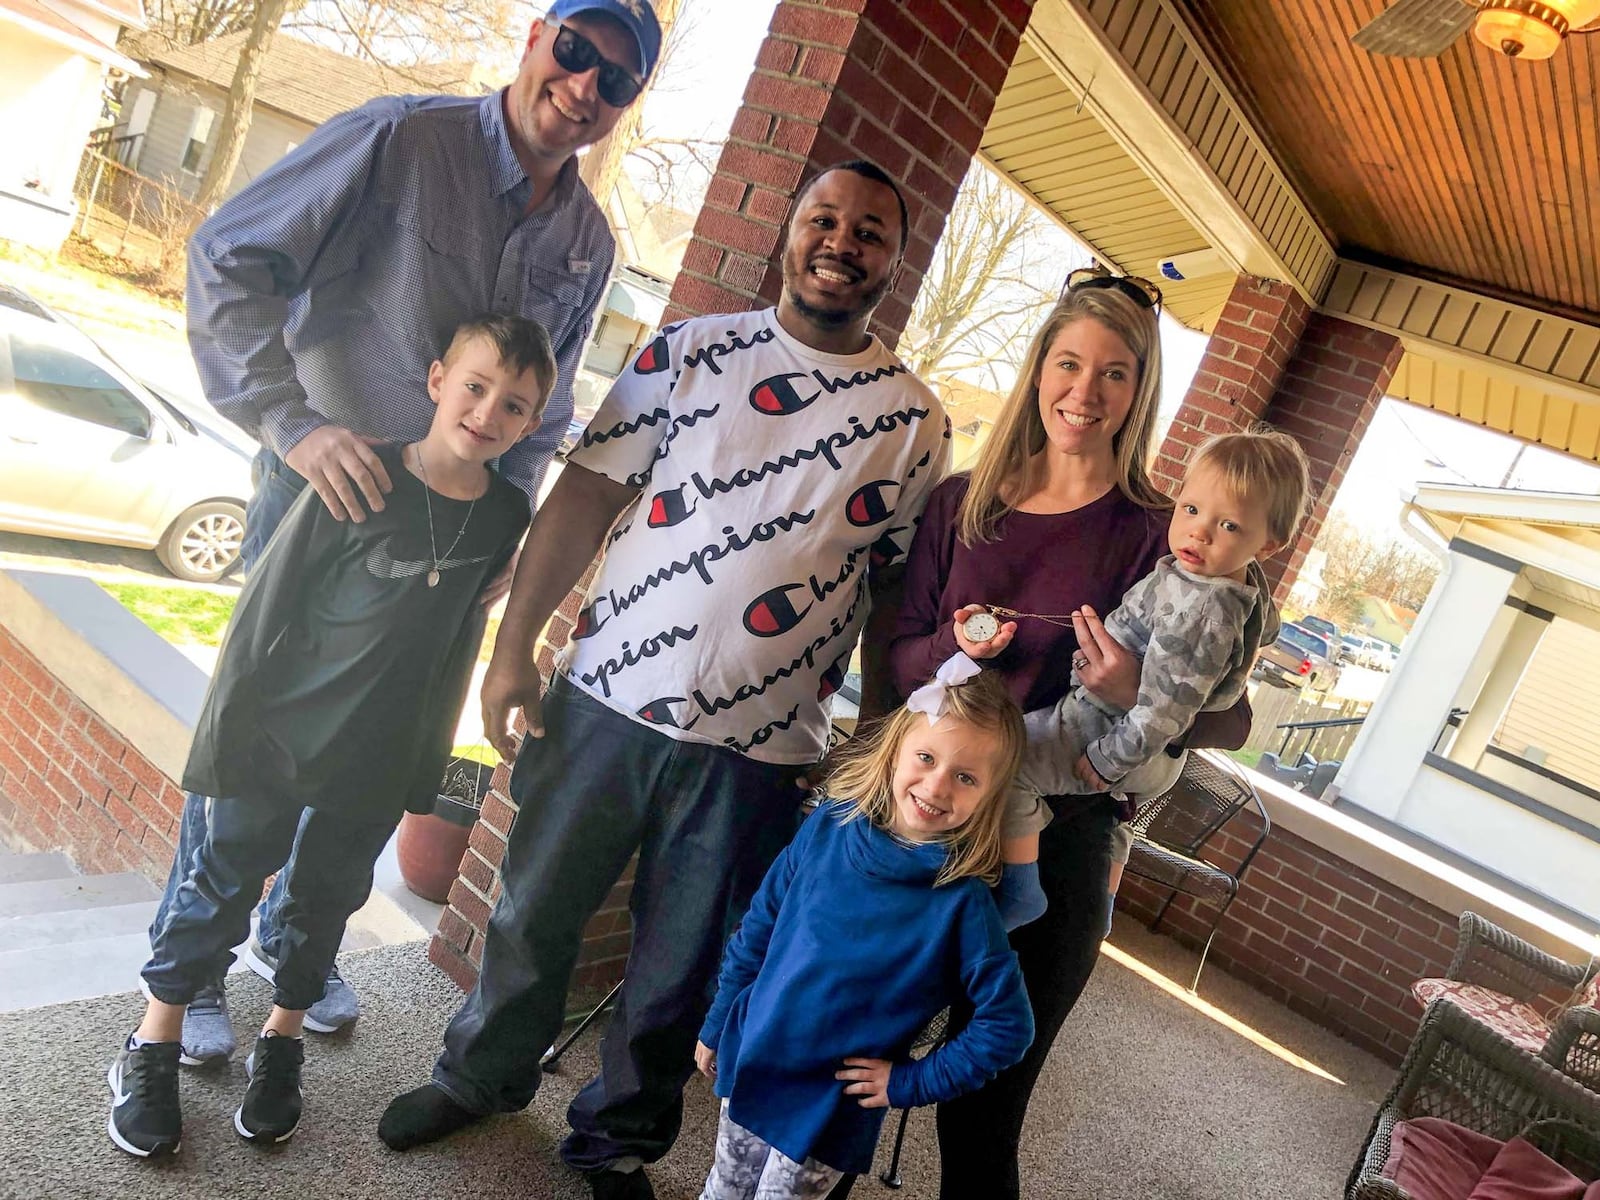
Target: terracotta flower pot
x,y
430,845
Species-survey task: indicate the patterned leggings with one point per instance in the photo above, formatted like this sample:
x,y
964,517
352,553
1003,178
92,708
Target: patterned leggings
x,y
747,1168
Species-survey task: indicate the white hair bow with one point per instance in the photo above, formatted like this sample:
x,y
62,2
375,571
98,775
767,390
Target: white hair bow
x,y
932,698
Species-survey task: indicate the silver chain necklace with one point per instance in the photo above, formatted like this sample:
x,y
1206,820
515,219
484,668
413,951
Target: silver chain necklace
x,y
433,545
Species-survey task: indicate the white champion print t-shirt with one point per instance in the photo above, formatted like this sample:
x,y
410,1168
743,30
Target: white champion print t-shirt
x,y
733,591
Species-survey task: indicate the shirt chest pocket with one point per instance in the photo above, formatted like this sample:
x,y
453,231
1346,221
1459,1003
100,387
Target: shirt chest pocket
x,y
555,298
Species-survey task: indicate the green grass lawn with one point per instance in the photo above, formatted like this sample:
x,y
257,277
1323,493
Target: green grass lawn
x,y
178,614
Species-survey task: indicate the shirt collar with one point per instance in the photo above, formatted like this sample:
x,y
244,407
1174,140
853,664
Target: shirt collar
x,y
505,171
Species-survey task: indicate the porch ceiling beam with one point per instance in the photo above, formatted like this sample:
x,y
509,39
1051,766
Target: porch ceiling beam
x,y
1554,354
1174,116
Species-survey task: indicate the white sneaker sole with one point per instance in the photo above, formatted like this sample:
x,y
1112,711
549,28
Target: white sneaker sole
x,y
317,1026
257,1138
264,969
238,1115
117,1139
259,965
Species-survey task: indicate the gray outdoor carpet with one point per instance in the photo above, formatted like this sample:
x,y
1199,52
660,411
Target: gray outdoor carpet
x,y
1144,1099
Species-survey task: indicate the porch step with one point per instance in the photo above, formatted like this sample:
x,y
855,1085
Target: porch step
x,y
45,929
28,868
73,970
32,896
65,936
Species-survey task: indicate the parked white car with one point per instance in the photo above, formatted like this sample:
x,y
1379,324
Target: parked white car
x,y
89,453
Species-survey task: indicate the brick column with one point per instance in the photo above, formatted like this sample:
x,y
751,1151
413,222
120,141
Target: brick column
x,y
1244,362
908,84
1316,377
1329,393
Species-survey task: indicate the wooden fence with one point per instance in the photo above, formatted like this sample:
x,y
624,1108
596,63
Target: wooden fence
x,y
1275,707
130,216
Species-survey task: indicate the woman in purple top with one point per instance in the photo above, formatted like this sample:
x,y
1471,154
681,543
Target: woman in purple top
x,y
1058,517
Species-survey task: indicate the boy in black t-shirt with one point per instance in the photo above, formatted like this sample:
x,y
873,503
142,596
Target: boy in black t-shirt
x,y
336,691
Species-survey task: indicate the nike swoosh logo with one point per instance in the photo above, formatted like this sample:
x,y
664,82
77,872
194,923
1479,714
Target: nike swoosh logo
x,y
384,565
122,1097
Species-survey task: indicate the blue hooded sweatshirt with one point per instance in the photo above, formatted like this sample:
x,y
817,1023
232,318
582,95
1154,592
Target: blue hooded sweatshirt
x,y
848,951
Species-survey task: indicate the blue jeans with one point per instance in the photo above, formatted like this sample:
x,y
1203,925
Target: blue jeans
x,y
277,487
245,841
707,823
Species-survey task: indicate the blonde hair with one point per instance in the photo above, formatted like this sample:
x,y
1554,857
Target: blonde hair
x,y
1010,465
864,778
1262,466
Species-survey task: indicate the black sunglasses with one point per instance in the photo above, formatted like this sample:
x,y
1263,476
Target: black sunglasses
x,y
1141,291
576,54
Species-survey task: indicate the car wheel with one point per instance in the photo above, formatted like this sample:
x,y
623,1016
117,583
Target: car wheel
x,y
203,544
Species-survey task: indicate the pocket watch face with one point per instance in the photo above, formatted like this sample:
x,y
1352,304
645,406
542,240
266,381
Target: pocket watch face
x,y
980,627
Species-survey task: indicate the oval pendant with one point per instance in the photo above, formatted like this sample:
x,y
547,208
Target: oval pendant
x,y
433,577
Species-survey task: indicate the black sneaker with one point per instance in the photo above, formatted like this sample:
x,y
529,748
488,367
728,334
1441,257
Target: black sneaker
x,y
420,1116
145,1119
270,1112
621,1185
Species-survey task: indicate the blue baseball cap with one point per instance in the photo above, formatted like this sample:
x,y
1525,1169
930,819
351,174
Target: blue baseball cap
x,y
636,16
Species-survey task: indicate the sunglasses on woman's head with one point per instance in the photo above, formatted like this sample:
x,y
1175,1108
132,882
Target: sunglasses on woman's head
x,y
1141,291
576,54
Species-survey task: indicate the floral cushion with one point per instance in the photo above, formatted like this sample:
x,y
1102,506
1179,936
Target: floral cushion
x,y
1521,1023
1590,995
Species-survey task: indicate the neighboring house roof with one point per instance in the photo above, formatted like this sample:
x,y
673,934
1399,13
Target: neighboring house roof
x,y
46,22
966,402
311,83
126,12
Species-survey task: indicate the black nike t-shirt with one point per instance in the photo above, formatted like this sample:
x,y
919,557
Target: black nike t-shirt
x,y
343,672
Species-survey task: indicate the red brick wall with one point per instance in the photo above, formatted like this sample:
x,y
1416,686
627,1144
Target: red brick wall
x,y
1254,339
1328,397
70,782
1334,943
908,84
1318,378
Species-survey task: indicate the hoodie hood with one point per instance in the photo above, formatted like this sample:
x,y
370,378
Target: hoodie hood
x,y
878,854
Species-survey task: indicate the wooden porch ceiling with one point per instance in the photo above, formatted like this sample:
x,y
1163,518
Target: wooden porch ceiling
x,y
1059,154
1470,167
1453,201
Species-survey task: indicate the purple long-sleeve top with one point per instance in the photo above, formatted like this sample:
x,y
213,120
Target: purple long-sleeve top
x,y
1037,563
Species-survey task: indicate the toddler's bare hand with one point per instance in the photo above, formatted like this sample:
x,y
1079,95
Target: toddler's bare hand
x,y
706,1059
1084,770
867,1078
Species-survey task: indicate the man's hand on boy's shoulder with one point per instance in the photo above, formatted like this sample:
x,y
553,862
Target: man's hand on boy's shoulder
x,y
343,469
499,587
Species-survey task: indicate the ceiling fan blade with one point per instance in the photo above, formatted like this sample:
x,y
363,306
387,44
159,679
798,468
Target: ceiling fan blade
x,y
1416,28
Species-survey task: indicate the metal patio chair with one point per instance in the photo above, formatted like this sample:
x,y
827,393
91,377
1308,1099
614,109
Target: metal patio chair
x,y
1172,835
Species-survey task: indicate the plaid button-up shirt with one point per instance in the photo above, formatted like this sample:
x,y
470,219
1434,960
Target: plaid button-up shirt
x,y
323,290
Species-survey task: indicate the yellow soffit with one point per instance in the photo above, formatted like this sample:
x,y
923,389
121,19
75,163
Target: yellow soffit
x,y
1054,151
1492,399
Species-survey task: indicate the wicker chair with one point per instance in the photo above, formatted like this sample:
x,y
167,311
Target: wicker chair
x,y
1171,834
1462,1071
1498,979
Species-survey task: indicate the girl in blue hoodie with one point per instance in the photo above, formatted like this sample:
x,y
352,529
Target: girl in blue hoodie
x,y
875,918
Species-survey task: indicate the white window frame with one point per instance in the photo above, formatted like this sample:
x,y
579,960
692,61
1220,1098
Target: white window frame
x,y
201,126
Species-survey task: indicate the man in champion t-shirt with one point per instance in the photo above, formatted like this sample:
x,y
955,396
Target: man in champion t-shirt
x,y
752,475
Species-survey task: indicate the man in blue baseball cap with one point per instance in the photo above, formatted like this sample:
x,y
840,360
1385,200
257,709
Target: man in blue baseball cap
x,y
320,293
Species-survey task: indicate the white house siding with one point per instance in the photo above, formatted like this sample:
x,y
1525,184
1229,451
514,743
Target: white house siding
x,y
49,103
160,156
1556,708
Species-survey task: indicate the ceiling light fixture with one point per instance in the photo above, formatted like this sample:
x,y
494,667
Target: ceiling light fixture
x,y
1531,28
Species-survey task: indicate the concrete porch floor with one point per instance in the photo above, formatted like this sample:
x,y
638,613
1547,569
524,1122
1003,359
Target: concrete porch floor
x,y
1146,1096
